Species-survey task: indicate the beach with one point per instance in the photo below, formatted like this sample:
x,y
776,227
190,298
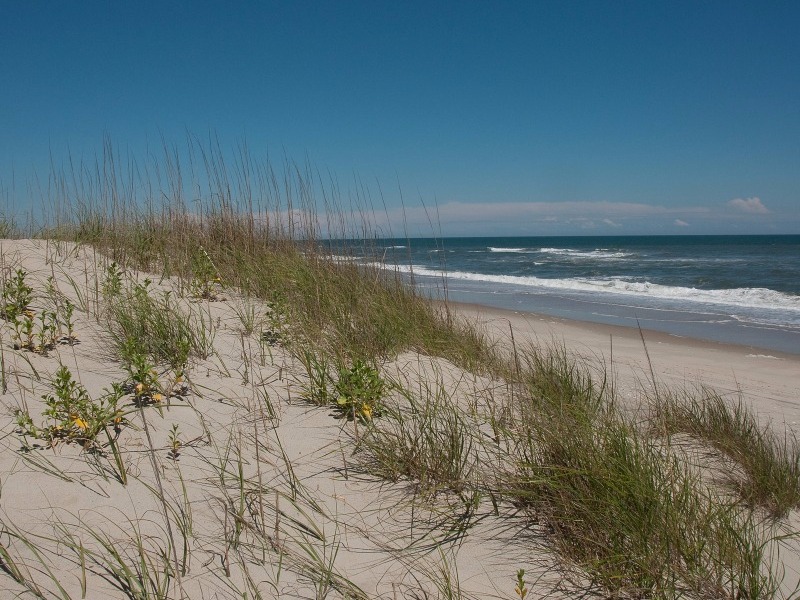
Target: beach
x,y
768,380
226,478
400,301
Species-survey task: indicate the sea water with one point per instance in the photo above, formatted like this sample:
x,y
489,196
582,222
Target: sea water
x,y
737,289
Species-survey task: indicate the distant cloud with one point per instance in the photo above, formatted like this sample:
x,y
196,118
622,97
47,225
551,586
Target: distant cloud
x,y
549,211
749,205
560,218
582,222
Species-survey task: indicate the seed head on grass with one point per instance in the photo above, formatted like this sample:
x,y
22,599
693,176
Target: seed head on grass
x,y
520,590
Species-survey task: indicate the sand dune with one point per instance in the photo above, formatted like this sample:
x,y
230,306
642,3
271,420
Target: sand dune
x,y
240,486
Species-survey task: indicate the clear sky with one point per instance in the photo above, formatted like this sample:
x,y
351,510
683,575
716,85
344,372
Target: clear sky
x,y
518,118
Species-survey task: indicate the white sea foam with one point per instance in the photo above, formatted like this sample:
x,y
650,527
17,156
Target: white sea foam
x,y
514,250
761,298
598,253
344,259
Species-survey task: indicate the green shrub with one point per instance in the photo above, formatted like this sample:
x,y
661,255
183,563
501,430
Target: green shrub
x,y
359,391
72,415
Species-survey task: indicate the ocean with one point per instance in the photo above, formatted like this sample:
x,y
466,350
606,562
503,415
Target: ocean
x,y
735,289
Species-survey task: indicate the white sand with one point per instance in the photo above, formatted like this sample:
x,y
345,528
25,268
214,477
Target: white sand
x,y
770,382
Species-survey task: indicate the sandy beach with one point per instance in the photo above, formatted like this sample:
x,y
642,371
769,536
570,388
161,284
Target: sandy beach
x,y
770,381
233,484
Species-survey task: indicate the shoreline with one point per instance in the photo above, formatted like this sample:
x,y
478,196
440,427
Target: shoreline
x,y
769,380
691,324
736,290
621,330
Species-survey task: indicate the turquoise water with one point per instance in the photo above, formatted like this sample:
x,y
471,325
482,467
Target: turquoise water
x,y
740,289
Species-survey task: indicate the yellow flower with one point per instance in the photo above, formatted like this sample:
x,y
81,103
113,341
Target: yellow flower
x,y
79,423
139,388
157,397
366,410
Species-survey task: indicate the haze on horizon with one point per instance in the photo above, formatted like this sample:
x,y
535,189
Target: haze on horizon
x,y
517,118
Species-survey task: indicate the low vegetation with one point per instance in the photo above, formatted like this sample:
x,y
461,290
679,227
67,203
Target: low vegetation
x,y
236,296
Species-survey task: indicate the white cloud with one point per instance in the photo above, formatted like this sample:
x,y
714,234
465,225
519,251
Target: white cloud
x,y
749,205
582,222
479,212
545,218
525,218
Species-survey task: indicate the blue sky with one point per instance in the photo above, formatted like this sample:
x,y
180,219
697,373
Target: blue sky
x,y
518,118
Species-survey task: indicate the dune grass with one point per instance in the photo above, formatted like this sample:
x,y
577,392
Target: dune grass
x,y
152,324
770,461
625,515
424,439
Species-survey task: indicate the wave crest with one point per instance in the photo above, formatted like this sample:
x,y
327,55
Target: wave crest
x,y
740,297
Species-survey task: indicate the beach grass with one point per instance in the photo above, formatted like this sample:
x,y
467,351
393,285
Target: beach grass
x,y
770,461
481,428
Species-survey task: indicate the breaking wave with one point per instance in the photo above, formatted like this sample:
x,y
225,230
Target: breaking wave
x,y
762,298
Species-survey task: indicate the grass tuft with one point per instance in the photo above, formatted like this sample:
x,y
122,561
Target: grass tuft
x,y
771,463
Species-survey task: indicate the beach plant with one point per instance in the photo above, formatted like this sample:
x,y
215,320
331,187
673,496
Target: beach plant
x,y
63,312
38,340
205,276
520,589
17,295
112,284
355,392
72,416
51,291
318,387
359,391
143,380
174,443
47,334
770,463
274,330
177,385
145,323
425,440
67,312
23,331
